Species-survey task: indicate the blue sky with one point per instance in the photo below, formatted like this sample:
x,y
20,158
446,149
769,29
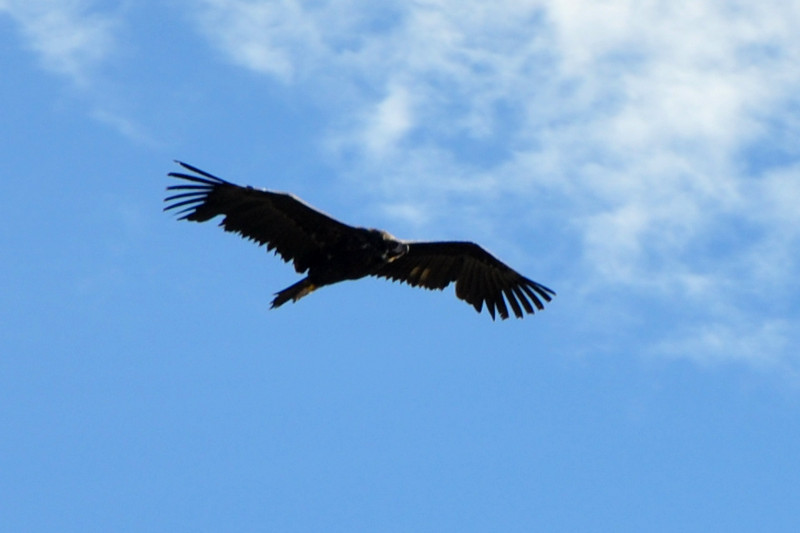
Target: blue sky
x,y
640,158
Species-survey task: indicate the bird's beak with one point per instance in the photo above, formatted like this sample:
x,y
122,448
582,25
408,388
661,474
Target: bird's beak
x,y
399,250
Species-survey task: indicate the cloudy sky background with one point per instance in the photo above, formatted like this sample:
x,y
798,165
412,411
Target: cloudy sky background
x,y
641,158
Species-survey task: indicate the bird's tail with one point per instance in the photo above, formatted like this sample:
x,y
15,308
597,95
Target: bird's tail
x,y
294,292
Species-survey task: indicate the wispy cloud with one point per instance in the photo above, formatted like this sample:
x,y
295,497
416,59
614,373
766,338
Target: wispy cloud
x,y
125,126
275,38
762,344
69,37
387,122
657,129
76,39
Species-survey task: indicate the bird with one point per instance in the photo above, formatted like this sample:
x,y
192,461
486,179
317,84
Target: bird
x,y
329,251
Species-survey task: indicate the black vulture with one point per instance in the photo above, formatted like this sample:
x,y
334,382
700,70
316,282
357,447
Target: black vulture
x,y
330,251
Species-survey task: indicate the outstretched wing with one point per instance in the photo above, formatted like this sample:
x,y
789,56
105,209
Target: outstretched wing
x,y
283,222
479,277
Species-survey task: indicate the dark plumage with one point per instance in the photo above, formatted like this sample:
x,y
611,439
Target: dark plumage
x,y
330,251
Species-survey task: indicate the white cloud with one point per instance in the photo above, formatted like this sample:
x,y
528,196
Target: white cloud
x,y
76,40
760,344
256,33
68,35
124,126
388,121
637,120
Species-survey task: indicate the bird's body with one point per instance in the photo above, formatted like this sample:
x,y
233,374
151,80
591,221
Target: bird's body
x,y
362,252
330,251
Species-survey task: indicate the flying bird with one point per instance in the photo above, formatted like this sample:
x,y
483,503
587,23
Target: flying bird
x,y
329,251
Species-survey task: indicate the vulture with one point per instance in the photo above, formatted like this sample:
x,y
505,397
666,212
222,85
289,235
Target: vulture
x,y
329,251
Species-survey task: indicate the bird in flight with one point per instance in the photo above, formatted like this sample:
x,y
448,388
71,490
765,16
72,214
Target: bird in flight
x,y
329,251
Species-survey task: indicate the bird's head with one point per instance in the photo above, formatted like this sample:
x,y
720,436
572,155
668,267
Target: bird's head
x,y
395,249
391,247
